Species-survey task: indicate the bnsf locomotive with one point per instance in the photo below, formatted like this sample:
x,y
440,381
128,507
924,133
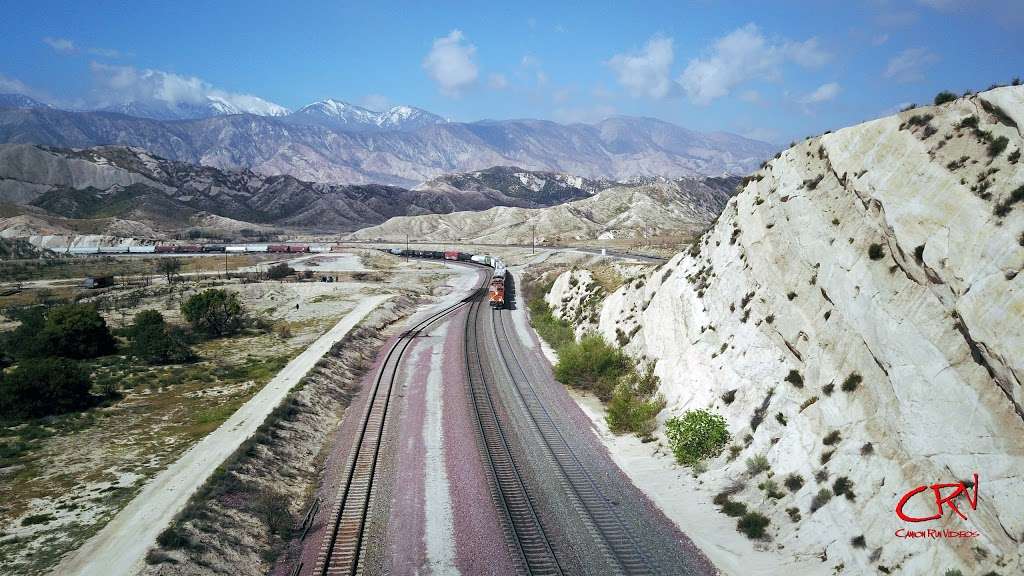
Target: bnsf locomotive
x,y
495,288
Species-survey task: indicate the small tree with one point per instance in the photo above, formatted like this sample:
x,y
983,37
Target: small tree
x,y
169,267
77,331
697,435
943,97
39,387
154,343
214,312
279,271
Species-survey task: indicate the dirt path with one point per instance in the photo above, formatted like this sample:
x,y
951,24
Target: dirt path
x,y
120,547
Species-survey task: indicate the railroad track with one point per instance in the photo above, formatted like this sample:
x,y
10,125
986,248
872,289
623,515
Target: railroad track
x,y
596,507
531,550
341,549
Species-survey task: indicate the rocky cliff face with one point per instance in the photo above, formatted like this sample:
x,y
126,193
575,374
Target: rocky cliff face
x,y
617,148
855,314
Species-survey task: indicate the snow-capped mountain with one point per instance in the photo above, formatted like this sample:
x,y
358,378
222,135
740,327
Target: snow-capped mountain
x,y
20,101
340,115
207,108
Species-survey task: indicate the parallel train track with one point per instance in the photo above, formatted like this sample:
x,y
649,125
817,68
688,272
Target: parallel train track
x,y
591,501
532,552
342,546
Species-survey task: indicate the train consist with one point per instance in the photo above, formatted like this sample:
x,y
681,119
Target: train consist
x,y
198,248
495,288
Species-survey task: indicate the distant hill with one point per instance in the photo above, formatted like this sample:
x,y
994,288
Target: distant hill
x,y
339,143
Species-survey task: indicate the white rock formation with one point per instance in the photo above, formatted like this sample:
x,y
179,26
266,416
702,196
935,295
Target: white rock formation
x,y
891,251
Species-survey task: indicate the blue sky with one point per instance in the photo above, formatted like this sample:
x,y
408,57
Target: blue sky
x,y
771,70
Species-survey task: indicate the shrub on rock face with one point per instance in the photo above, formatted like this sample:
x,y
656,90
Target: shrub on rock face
x,y
39,387
943,97
214,312
696,436
875,252
593,365
753,525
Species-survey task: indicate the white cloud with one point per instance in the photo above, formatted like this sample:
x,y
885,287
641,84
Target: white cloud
x,y
743,55
752,96
61,45
450,63
909,65
497,82
10,85
823,93
105,52
646,73
120,84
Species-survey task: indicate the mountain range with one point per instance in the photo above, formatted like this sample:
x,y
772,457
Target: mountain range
x,y
335,142
135,193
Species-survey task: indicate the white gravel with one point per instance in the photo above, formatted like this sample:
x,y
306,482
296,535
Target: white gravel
x,y
120,547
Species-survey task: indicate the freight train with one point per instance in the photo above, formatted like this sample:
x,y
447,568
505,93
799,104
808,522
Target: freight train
x,y
496,289
199,248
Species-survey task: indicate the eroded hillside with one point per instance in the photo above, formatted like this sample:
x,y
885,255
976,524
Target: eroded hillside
x,y
855,314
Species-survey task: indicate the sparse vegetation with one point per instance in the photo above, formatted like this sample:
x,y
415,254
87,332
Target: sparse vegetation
x,y
696,436
867,449
996,146
753,525
757,464
794,514
168,267
828,388
1003,207
858,542
279,271
820,499
592,365
555,331
794,482
635,403
729,396
944,97
852,382
795,378
831,438
843,486
875,252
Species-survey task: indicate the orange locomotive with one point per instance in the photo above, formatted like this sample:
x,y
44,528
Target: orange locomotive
x,y
496,290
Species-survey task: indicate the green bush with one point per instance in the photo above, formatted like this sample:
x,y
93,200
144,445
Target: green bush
x,y
733,508
279,271
795,378
852,382
820,499
943,97
214,312
39,387
635,403
794,482
996,146
555,331
697,435
593,365
152,342
875,252
753,525
70,330
757,464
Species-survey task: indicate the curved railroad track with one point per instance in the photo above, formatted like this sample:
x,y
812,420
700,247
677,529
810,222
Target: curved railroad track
x,y
532,552
622,547
341,549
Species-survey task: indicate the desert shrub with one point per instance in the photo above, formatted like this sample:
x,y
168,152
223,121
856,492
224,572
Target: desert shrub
x,y
852,382
791,295
808,402
828,388
968,122
757,464
794,482
154,343
39,387
781,418
733,508
272,509
794,514
1014,156
831,438
214,312
279,271
843,486
734,452
867,449
875,252
174,537
858,542
919,120
593,365
771,489
1003,207
820,499
169,267
944,97
826,456
729,396
753,525
696,435
635,403
996,146
555,331
795,378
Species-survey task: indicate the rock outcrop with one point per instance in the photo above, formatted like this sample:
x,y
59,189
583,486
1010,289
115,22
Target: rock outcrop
x,y
856,315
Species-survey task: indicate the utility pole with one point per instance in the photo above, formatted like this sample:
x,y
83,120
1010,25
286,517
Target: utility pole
x,y
406,246
533,250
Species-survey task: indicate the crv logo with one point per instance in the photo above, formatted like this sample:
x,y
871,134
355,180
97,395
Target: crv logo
x,y
941,500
